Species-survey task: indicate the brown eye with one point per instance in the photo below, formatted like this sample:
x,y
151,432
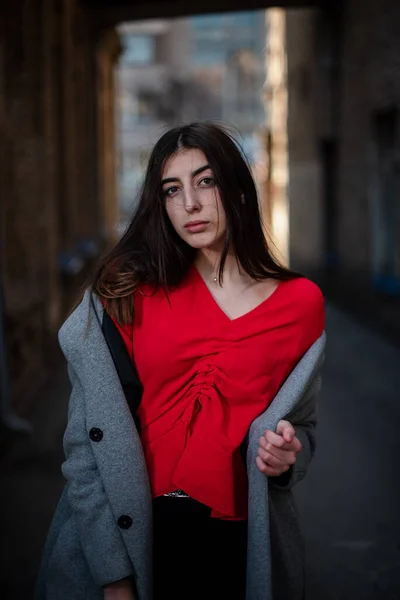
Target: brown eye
x,y
207,181
171,191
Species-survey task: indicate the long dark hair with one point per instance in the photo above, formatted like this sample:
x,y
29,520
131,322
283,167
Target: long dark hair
x,y
151,252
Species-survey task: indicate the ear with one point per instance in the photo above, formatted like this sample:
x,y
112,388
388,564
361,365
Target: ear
x,y
243,199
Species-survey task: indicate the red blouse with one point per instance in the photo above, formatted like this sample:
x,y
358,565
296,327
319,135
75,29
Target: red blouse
x,y
206,378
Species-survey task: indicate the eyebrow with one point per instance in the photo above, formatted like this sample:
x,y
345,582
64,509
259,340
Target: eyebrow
x,y
196,172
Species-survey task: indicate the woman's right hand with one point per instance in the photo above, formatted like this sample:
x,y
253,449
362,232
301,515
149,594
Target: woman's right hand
x,y
120,590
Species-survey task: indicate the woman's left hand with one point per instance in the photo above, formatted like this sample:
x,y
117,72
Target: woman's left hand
x,y
277,452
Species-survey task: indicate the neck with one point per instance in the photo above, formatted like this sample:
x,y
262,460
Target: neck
x,y
208,261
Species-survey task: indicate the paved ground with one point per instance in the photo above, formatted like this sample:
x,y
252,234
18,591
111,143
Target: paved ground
x,y
30,485
349,502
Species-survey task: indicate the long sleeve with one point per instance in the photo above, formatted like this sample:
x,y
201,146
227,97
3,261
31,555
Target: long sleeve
x,y
100,537
304,420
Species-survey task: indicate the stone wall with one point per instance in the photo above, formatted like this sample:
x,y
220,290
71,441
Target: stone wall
x,y
370,83
343,85
51,219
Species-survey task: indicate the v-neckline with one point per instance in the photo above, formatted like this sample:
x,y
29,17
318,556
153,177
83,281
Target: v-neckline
x,y
219,308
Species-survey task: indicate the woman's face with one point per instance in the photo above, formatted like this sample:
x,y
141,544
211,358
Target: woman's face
x,y
192,200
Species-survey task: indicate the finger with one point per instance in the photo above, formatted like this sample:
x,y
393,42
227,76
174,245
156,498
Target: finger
x,y
296,445
285,429
293,446
279,462
288,434
276,460
263,442
274,438
278,442
266,469
282,425
282,455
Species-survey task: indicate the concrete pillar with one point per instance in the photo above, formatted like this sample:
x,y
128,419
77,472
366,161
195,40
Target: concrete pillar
x,y
306,221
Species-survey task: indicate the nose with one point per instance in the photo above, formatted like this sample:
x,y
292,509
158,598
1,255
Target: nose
x,y
191,200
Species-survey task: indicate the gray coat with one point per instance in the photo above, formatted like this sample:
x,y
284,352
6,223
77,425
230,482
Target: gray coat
x,y
102,528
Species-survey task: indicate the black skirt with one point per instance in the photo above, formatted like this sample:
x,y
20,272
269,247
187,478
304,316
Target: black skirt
x,y
196,556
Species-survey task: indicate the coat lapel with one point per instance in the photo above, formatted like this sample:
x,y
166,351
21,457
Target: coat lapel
x,y
291,395
125,367
118,452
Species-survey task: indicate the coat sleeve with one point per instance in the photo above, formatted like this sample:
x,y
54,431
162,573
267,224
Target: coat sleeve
x,y
99,534
304,420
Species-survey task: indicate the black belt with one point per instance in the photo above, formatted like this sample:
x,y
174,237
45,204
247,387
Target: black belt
x,y
177,494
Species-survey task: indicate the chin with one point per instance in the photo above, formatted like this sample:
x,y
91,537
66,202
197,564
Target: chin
x,y
198,245
199,241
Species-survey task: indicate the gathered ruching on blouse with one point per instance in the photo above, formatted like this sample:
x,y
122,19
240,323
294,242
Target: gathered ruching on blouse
x,y
205,379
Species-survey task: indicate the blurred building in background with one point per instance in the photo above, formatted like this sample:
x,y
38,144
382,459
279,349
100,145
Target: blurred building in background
x,y
181,70
151,79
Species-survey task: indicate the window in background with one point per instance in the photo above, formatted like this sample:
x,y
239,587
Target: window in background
x,y
208,53
138,49
207,21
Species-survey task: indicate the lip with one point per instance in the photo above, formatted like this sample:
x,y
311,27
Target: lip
x,y
196,226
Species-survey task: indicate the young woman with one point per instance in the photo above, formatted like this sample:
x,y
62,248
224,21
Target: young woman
x,y
194,360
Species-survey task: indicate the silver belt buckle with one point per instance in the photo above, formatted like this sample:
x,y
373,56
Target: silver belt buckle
x,y
177,494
